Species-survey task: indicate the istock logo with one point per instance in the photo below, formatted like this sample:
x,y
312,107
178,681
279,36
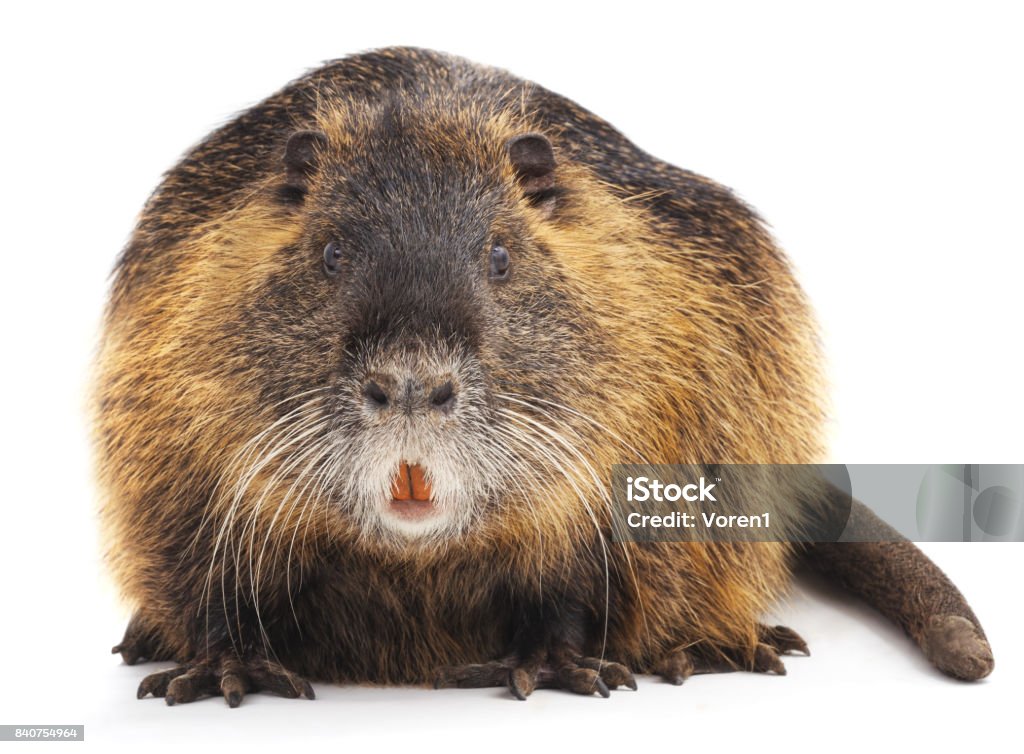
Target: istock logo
x,y
642,489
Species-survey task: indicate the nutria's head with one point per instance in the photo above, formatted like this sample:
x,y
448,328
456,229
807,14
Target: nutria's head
x,y
422,328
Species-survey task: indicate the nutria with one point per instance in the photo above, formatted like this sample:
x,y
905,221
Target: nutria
x,y
368,357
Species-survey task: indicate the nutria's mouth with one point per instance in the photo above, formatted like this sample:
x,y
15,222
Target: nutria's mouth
x,y
411,496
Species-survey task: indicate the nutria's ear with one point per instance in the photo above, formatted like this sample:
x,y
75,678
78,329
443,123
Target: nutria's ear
x,y
534,160
300,159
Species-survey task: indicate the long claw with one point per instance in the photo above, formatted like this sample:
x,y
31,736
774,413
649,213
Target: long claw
x,y
783,640
766,660
156,683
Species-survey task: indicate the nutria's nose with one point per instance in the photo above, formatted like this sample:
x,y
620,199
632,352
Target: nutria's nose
x,y
409,394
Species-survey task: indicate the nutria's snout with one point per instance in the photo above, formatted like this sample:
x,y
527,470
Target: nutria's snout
x,y
418,455
408,394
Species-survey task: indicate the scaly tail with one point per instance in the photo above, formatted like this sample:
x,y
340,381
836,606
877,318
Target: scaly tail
x,y
892,575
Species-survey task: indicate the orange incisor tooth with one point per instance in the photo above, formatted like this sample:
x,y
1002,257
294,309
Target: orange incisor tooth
x,y
420,486
410,483
401,485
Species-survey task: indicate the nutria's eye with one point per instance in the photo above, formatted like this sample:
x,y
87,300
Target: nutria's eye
x,y
332,258
499,262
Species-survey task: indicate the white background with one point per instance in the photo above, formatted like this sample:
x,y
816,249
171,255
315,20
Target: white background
x,y
883,144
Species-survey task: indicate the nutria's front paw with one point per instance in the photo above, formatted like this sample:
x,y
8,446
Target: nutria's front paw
x,y
228,676
559,669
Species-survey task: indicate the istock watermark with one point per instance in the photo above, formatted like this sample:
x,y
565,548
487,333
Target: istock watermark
x,y
818,503
644,488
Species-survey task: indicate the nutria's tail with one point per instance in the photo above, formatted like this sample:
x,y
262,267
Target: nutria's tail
x,y
891,574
